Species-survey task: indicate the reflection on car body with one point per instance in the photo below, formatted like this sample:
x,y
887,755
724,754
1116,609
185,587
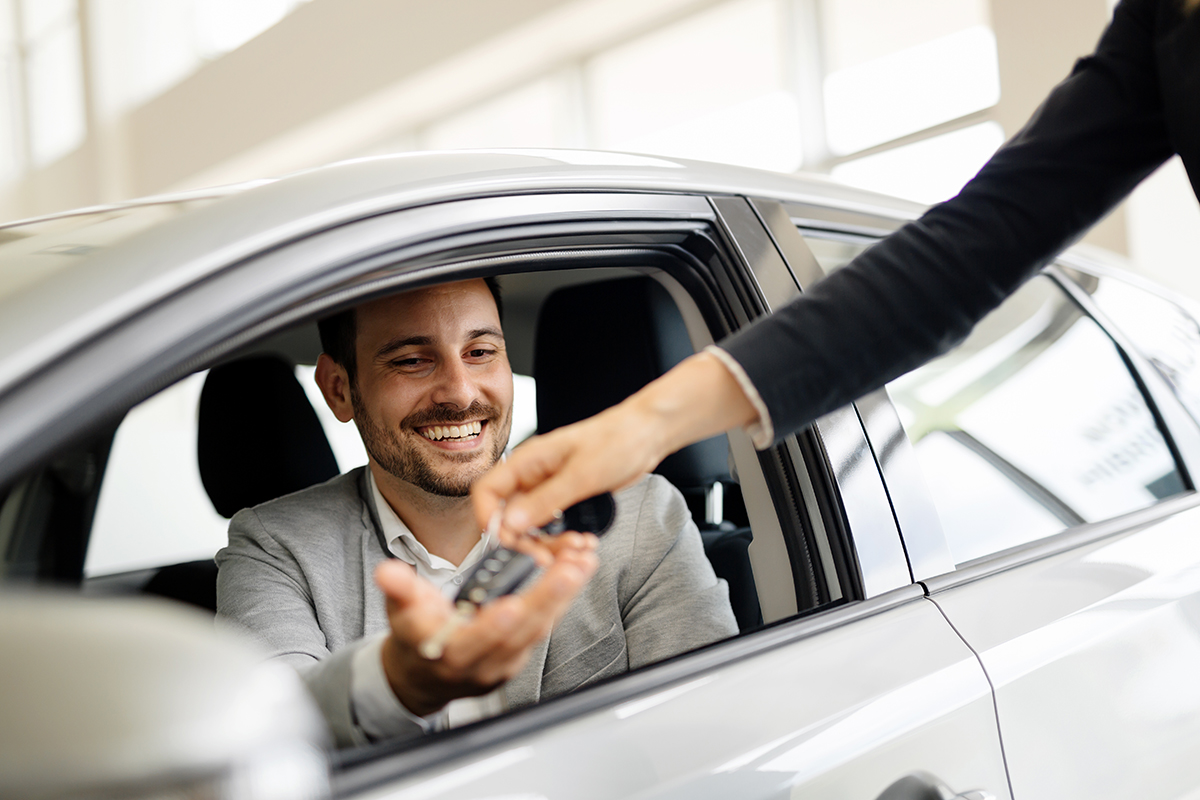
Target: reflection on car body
x,y
976,579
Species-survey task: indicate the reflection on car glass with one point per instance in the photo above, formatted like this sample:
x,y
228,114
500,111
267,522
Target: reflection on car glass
x,y
833,254
1165,334
1032,425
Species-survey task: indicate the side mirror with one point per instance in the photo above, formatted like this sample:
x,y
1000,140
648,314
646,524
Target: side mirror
x,y
142,698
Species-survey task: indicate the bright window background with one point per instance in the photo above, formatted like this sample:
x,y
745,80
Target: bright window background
x,y
10,96
929,170
538,114
735,82
54,75
897,68
144,47
138,49
711,87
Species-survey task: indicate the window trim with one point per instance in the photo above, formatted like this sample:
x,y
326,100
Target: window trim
x,y
856,506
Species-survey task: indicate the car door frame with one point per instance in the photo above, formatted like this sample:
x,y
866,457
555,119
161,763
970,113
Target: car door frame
x,y
1049,573
496,748
243,302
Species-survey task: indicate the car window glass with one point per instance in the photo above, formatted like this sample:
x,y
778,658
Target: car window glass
x,y
834,253
1031,425
1165,333
153,508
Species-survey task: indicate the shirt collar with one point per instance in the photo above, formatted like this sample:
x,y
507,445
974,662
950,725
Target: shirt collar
x,y
404,546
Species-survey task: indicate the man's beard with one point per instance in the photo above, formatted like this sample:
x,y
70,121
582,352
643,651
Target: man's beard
x,y
402,459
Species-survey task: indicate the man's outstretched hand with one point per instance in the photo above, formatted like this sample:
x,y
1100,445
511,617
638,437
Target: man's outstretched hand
x,y
489,649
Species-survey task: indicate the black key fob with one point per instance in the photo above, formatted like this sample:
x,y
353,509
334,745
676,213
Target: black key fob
x,y
593,515
500,572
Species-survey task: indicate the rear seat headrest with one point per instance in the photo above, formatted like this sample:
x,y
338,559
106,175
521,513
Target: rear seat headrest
x,y
598,343
258,436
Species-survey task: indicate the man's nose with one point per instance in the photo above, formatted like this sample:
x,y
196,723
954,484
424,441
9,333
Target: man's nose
x,y
456,385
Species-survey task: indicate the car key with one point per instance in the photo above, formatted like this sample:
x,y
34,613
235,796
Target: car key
x,y
502,571
593,515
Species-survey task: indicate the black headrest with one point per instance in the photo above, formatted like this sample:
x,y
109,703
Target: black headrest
x,y
598,343
258,436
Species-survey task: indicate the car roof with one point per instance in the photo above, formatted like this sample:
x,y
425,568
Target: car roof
x,y
92,288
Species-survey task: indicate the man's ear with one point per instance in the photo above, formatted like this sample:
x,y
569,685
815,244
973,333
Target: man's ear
x,y
335,386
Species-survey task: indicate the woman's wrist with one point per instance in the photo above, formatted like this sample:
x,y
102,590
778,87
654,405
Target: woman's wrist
x,y
696,399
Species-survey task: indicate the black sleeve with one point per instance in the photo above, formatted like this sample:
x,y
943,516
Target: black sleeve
x,y
920,291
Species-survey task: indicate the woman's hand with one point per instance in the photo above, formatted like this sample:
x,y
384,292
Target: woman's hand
x,y
697,399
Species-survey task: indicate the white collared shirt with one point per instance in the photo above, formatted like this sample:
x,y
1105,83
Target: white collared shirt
x,y
378,711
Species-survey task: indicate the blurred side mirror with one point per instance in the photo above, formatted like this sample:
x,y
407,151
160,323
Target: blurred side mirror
x,y
142,698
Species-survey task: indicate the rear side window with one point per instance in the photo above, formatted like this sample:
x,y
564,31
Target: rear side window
x,y
1032,425
1166,334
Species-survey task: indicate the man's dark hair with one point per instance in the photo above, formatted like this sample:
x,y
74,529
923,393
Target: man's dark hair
x,y
338,332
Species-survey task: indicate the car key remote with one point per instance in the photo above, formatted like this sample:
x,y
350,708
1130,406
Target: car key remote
x,y
502,571
593,515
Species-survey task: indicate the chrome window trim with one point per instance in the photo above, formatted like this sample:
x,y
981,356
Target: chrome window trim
x,y
1062,542
842,220
916,514
782,230
772,284
876,540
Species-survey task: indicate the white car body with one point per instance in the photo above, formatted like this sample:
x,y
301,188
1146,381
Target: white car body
x,y
1063,666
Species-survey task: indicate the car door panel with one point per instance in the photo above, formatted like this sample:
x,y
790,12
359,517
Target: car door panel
x,y
1094,654
908,697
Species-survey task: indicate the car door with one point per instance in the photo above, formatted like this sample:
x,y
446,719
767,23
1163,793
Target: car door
x,y
854,682
870,688
1089,635
1055,466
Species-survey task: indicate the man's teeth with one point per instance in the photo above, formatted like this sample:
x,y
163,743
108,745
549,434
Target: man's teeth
x,y
464,431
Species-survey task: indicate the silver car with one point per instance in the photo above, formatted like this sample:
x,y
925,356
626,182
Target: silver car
x,y
980,581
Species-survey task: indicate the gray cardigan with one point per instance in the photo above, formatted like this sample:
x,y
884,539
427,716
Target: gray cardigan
x,y
298,573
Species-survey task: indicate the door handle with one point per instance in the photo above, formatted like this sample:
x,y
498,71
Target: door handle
x,y
923,786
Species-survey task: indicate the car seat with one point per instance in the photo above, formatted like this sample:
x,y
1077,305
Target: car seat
x,y
598,343
258,438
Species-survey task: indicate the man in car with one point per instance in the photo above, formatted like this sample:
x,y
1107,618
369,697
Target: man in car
x,y
347,579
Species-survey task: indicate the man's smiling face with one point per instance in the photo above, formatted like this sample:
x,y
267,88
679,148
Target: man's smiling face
x,y
433,391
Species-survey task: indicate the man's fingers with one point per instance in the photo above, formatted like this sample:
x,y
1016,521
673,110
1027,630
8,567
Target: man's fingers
x,y
398,581
506,628
549,598
415,607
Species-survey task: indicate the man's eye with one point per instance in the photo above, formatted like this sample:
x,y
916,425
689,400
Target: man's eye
x,y
481,352
408,362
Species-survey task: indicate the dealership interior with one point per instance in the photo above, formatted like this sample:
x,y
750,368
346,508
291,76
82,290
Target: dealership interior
x,y
106,100
286,284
